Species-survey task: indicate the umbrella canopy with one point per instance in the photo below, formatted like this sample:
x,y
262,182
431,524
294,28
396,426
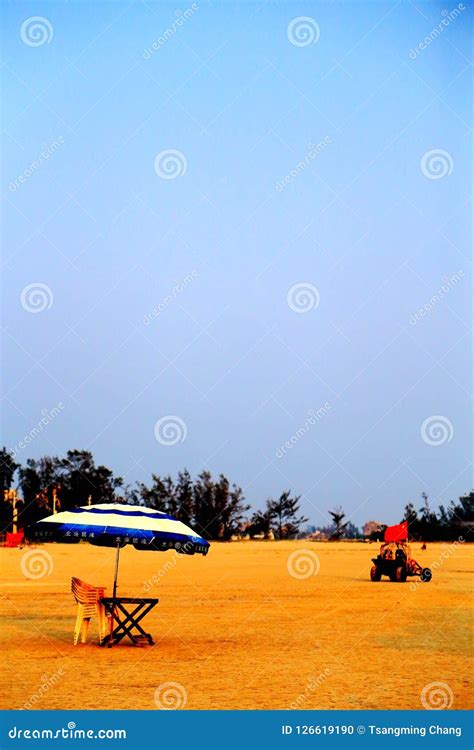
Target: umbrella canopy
x,y
115,525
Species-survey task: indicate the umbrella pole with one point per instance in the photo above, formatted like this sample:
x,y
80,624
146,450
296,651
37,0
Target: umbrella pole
x,y
117,555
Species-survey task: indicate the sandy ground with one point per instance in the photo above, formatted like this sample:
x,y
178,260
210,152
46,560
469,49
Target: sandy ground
x,y
237,630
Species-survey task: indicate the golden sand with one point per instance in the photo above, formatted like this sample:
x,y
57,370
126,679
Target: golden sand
x,y
237,630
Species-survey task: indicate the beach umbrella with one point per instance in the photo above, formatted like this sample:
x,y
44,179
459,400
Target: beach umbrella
x,y
115,525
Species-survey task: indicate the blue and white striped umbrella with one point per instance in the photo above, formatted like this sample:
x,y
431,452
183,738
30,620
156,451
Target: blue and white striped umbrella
x,y
115,525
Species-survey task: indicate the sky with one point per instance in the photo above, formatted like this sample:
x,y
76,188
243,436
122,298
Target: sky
x,y
236,237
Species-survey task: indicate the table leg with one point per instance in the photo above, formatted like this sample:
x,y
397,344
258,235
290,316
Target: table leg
x,y
111,631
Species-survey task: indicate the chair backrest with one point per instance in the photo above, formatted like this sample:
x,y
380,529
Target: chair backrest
x,y
84,593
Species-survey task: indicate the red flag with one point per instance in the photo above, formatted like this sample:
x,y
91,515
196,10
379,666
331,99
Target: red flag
x,y
398,533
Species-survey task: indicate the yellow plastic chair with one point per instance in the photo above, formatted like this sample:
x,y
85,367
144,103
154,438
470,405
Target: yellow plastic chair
x,y
88,602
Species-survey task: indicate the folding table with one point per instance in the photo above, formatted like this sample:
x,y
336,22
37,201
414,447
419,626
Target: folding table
x,y
127,612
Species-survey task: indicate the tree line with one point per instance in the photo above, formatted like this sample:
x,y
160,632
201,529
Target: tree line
x,y
215,508
424,523
445,524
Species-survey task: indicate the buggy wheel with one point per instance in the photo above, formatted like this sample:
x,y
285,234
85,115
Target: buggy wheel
x,y
401,574
426,575
375,574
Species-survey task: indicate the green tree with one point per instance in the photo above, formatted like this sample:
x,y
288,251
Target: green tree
x,y
233,514
260,523
352,531
218,508
284,513
80,479
37,480
410,515
206,520
184,497
339,525
428,525
160,495
75,478
461,516
8,467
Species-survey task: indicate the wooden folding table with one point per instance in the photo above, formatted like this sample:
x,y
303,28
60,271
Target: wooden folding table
x,y
127,613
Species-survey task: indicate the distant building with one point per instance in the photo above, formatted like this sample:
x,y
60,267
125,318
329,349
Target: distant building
x,y
317,536
372,528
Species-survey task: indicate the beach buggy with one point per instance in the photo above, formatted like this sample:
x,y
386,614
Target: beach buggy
x,y
394,559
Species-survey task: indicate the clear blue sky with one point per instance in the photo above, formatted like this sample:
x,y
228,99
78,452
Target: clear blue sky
x,y
374,222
